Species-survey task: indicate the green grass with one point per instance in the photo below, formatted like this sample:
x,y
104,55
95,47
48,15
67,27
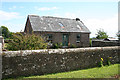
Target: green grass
x,y
98,72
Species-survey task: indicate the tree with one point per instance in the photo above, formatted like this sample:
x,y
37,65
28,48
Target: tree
x,y
101,34
26,42
5,32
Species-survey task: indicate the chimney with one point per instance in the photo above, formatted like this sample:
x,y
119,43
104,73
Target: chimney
x,y
77,19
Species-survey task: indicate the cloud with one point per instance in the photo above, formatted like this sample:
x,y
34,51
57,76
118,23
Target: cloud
x,y
5,16
21,7
13,7
13,27
110,25
46,8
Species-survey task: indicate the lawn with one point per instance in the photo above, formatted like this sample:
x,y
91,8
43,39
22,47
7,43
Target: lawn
x,y
98,72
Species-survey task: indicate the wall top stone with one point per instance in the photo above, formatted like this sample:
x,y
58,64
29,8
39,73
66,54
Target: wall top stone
x,y
54,51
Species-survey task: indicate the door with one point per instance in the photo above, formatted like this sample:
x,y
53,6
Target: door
x,y
65,39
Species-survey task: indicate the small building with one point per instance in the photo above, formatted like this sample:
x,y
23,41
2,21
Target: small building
x,y
59,30
110,41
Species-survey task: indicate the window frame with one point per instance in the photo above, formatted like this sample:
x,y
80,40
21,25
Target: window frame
x,y
78,36
49,37
60,24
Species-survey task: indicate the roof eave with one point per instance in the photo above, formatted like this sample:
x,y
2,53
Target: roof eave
x,y
63,31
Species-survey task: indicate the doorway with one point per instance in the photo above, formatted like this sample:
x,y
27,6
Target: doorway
x,y
65,39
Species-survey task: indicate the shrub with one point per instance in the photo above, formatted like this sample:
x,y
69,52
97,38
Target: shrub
x,y
73,46
108,61
57,45
90,42
26,42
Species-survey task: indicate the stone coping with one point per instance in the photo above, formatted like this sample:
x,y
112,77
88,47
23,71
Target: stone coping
x,y
55,51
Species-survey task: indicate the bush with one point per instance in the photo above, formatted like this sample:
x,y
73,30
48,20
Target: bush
x,y
26,42
108,61
73,46
90,42
57,45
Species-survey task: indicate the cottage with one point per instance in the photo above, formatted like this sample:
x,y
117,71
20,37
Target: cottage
x,y
59,30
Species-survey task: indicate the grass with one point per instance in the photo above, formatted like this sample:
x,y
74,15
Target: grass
x,y
98,72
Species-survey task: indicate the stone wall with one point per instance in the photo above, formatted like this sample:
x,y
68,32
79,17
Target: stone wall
x,y
101,43
38,62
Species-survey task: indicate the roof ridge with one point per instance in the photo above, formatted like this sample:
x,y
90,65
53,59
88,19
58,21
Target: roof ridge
x,y
57,17
51,17
34,15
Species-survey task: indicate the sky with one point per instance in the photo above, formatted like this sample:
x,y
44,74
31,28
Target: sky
x,y
94,14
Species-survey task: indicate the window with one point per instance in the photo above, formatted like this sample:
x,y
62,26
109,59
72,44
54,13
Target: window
x,y
78,26
61,25
78,38
49,37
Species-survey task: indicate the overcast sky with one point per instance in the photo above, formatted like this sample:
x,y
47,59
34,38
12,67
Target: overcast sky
x,y
95,15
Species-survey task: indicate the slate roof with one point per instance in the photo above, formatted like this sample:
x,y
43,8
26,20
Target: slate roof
x,y
56,24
